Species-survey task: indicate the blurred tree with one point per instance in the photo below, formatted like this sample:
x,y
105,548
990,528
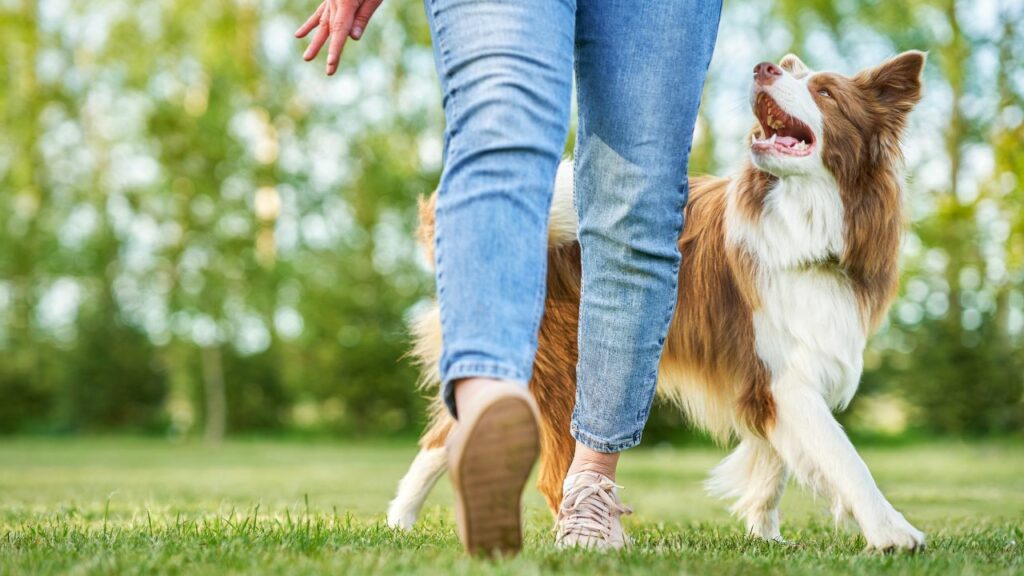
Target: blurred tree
x,y
203,235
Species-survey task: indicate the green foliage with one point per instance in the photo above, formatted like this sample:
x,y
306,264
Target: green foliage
x,y
202,234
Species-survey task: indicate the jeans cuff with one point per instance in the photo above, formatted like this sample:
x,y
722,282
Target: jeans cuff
x,y
600,444
476,369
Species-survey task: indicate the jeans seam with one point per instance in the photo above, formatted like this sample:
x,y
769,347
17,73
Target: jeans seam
x,y
471,368
600,444
451,128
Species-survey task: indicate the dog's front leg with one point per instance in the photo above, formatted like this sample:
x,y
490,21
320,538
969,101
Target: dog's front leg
x,y
820,455
756,476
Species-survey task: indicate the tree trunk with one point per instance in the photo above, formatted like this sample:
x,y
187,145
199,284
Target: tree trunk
x,y
216,401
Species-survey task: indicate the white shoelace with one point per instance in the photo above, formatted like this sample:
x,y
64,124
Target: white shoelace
x,y
588,508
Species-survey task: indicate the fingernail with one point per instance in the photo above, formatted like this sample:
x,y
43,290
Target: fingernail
x,y
357,32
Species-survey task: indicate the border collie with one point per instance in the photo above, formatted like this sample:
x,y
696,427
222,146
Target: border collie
x,y
787,267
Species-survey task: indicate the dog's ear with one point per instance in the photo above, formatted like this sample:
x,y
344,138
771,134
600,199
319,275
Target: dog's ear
x,y
896,83
792,64
896,87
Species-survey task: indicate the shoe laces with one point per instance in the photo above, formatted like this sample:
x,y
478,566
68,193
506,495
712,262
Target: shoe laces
x,y
588,509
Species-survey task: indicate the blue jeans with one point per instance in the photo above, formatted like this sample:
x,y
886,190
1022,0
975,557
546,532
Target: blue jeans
x,y
506,75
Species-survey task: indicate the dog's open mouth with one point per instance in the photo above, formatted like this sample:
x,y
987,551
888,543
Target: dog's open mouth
x,y
779,131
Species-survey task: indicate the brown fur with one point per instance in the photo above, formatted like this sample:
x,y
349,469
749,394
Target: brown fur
x,y
707,334
712,334
864,119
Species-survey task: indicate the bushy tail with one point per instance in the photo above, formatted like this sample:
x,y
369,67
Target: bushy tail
x,y
426,353
425,231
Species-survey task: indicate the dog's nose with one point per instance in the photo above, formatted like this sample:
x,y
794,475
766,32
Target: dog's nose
x,y
765,73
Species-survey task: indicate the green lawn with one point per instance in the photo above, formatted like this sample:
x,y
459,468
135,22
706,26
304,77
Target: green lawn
x,y
145,506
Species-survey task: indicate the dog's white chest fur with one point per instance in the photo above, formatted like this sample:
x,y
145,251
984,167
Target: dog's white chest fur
x,y
808,327
808,330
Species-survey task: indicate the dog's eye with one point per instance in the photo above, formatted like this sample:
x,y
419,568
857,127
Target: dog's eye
x,y
824,92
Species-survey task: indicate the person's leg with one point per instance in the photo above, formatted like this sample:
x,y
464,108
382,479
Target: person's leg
x,y
640,69
640,73
506,76
506,72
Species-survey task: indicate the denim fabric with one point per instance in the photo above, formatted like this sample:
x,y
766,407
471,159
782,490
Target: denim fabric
x,y
506,74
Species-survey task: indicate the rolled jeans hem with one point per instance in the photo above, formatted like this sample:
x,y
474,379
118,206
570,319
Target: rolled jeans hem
x,y
477,369
602,445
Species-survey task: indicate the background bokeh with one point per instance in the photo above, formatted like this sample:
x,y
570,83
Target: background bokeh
x,y
202,235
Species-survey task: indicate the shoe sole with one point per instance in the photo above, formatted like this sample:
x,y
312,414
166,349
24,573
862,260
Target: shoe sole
x,y
489,474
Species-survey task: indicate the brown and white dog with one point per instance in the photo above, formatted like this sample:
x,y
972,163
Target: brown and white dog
x,y
787,268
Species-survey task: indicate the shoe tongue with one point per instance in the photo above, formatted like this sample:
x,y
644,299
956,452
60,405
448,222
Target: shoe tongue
x,y
588,477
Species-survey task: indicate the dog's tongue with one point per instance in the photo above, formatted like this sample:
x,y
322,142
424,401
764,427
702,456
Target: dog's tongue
x,y
787,141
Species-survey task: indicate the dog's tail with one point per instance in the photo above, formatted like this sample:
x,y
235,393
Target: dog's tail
x,y
430,463
425,231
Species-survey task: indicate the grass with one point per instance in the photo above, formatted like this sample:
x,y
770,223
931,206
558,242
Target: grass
x,y
148,506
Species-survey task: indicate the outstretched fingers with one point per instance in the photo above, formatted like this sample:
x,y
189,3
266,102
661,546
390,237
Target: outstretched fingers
x,y
323,31
341,19
311,23
335,21
362,18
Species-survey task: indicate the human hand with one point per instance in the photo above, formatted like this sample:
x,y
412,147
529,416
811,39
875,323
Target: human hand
x,y
337,20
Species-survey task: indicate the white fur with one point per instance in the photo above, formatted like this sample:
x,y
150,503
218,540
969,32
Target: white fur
x,y
755,476
427,342
792,64
808,332
821,456
687,389
563,220
415,486
790,93
810,335
809,321
801,223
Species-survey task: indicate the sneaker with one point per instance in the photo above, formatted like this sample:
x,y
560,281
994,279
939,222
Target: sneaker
x,y
591,514
490,456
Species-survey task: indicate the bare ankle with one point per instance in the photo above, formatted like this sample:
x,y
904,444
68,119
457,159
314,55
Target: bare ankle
x,y
588,460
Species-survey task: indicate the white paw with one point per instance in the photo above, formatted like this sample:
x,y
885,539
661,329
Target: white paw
x,y
894,533
764,525
400,517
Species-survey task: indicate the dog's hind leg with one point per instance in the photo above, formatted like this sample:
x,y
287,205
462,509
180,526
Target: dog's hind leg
x,y
820,455
557,449
554,382
755,475
428,466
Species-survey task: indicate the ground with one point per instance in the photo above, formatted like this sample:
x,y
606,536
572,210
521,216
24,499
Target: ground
x,y
154,506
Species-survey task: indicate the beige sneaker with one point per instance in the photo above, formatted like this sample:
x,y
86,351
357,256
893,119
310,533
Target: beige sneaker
x,y
591,514
490,455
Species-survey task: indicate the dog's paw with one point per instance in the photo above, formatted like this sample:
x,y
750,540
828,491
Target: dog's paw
x,y
764,524
400,517
893,534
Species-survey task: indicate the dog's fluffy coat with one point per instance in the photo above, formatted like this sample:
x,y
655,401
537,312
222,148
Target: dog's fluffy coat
x,y
787,268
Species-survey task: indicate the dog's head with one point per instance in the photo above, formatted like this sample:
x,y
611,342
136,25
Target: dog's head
x,y
809,121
